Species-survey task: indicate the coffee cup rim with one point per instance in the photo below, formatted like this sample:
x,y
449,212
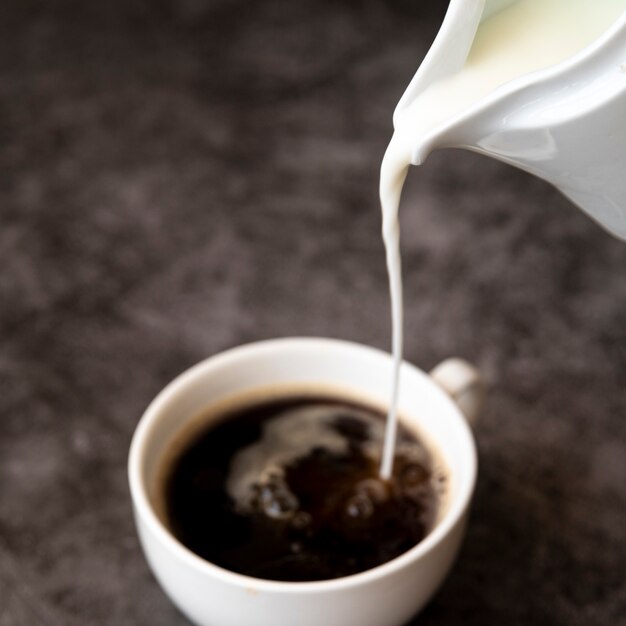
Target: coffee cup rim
x,y
144,507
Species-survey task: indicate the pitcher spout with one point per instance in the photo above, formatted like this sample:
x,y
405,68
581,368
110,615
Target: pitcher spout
x,y
563,123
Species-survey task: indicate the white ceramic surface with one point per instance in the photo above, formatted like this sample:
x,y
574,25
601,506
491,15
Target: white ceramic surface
x,y
565,124
387,595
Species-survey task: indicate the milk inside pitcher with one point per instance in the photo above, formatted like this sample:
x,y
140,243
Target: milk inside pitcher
x,y
538,84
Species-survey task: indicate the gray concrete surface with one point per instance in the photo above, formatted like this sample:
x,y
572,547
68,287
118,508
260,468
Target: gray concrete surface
x,y
179,177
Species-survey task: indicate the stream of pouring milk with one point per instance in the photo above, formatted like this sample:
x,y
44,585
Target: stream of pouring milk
x,y
525,37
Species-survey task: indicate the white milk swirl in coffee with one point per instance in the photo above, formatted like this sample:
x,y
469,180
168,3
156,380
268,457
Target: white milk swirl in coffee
x,y
525,37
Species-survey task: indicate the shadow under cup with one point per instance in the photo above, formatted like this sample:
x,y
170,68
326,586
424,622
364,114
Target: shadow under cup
x,y
388,594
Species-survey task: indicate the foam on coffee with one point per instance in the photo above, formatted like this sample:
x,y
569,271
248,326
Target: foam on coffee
x,y
262,466
288,437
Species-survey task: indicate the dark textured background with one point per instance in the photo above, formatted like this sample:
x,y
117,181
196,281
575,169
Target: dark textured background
x,y
181,176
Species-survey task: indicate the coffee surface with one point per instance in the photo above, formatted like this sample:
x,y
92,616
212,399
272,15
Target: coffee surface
x,y
289,489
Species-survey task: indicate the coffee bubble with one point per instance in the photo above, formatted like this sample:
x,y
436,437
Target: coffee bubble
x,y
277,502
359,507
301,520
375,489
413,474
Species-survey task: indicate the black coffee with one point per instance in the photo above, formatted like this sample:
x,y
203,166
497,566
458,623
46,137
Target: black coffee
x,y
288,489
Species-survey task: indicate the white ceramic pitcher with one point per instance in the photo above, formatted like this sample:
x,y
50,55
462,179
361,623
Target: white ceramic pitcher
x,y
565,124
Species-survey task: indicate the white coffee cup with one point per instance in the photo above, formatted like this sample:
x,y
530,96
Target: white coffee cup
x,y
387,595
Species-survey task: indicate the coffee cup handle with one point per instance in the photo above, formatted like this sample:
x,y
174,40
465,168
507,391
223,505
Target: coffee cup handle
x,y
463,383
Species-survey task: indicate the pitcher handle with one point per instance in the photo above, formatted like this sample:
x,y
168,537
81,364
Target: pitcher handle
x,y
463,383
